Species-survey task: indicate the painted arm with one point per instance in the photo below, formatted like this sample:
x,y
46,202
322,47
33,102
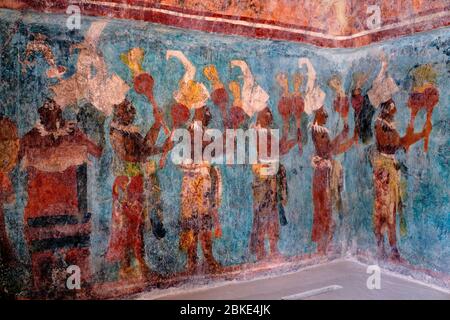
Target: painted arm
x,y
166,147
341,136
247,74
218,196
343,146
153,132
412,137
384,66
311,73
190,70
248,81
287,144
92,148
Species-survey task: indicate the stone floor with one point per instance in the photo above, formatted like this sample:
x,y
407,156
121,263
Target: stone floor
x,y
340,279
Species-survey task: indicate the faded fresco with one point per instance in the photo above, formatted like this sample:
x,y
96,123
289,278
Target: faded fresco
x,y
87,125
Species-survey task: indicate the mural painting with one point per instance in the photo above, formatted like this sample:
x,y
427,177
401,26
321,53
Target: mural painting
x,y
93,120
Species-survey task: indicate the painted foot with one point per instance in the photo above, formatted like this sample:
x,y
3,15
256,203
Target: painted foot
x,y
395,256
381,254
213,267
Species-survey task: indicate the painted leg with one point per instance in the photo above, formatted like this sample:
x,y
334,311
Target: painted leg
x,y
260,250
429,127
139,253
192,257
395,254
6,252
206,242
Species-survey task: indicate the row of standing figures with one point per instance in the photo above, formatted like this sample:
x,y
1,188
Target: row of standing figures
x,y
55,152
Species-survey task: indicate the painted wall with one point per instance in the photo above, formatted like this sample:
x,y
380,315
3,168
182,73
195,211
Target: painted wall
x,y
427,209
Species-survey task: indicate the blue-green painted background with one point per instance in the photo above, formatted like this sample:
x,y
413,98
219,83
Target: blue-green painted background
x,y
427,211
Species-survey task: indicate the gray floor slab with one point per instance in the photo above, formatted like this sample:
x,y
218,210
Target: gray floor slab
x,y
335,280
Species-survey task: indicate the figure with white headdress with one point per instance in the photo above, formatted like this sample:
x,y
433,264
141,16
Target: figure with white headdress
x,y
270,194
328,173
386,168
92,82
202,183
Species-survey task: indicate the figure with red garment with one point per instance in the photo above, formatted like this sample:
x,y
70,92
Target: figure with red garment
x,y
327,178
135,191
57,225
9,149
328,173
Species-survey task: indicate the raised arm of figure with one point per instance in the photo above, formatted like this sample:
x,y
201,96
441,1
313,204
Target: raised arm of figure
x,y
190,70
311,73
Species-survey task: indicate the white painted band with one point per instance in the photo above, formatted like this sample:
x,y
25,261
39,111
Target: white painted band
x,y
273,27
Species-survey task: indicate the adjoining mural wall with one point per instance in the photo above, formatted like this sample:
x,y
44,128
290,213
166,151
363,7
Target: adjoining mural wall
x,y
53,67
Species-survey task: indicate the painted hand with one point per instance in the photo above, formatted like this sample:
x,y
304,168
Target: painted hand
x,y
218,232
173,53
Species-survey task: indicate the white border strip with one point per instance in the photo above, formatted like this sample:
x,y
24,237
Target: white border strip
x,y
269,26
311,293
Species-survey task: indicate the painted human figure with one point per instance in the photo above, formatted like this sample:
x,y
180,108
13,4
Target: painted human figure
x,y
134,175
57,224
270,194
189,95
269,176
9,149
200,200
327,177
386,175
202,183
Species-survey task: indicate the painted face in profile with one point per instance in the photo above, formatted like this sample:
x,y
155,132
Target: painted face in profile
x,y
282,80
264,118
50,115
388,109
204,115
321,116
392,108
124,113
